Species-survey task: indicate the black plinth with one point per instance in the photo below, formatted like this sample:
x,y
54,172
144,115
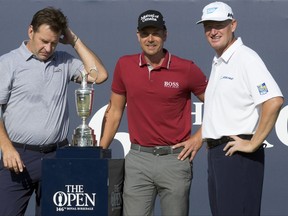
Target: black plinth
x,y
82,181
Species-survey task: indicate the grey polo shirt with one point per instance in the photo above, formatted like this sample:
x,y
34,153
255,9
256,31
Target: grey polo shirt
x,y
35,95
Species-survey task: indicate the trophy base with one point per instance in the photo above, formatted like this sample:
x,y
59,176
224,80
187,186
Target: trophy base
x,y
83,136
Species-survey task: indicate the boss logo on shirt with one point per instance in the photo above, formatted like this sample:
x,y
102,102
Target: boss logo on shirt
x,y
168,84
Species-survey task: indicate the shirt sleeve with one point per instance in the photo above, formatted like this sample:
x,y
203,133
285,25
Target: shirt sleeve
x,y
6,75
118,85
262,85
199,80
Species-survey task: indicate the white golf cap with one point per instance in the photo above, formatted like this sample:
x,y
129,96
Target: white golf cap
x,y
216,11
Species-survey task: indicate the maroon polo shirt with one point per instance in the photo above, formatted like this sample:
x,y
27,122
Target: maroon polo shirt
x,y
159,101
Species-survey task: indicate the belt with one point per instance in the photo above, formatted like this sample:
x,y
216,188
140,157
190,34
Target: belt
x,y
46,148
156,150
211,143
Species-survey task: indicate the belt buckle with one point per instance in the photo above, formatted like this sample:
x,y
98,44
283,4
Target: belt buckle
x,y
158,151
46,148
41,149
228,139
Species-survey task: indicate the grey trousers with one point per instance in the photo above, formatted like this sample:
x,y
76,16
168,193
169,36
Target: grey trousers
x,y
147,176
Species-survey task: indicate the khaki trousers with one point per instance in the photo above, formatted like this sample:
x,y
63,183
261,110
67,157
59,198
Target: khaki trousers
x,y
147,176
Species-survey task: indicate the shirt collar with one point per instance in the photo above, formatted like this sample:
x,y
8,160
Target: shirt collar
x,y
25,52
230,51
165,63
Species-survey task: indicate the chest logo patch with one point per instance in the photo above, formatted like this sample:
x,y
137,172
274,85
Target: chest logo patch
x,y
227,77
168,84
57,70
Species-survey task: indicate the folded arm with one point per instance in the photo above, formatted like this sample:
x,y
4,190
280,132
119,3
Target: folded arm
x,y
193,144
268,116
93,65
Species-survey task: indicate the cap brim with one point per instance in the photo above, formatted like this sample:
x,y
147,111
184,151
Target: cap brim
x,y
213,19
150,25
200,21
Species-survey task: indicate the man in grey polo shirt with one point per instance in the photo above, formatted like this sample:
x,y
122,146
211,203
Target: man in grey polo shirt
x,y
33,101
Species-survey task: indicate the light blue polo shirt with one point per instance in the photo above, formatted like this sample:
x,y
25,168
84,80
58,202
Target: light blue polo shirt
x,y
35,95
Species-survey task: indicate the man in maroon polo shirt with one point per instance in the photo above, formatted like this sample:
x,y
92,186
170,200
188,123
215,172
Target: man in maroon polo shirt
x,y
157,87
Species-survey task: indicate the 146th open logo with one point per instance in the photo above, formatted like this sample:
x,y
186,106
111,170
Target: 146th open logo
x,y
74,199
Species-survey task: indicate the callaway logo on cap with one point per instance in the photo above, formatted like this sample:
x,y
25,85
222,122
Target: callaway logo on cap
x,y
216,11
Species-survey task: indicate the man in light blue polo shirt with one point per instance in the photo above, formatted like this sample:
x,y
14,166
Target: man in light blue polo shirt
x,y
33,100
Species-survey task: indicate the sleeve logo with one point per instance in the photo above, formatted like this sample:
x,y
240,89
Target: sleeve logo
x,y
262,89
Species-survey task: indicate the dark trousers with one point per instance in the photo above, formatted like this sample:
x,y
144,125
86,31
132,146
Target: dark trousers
x,y
235,182
16,189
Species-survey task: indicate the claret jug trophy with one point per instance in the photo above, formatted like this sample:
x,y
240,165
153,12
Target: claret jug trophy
x,y
84,135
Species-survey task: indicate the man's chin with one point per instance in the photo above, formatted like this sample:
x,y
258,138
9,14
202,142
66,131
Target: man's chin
x,y
42,58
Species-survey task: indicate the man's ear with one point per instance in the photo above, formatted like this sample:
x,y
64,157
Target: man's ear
x,y
234,25
30,31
